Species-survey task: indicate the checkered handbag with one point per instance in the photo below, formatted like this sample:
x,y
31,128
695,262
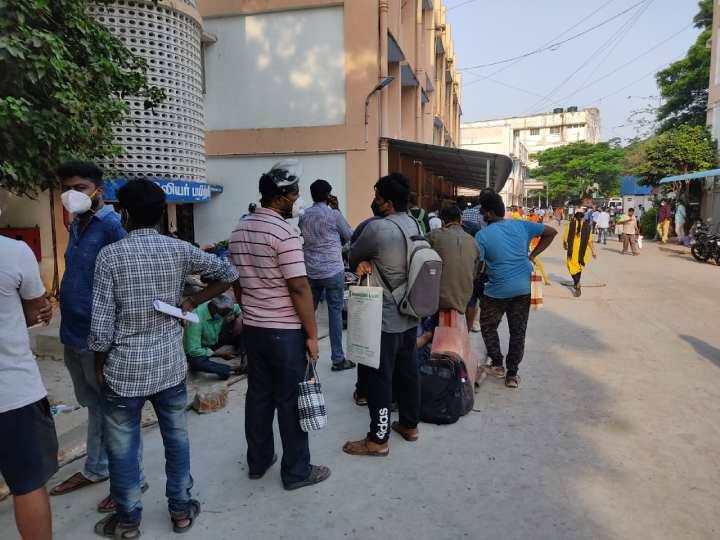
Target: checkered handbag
x,y
311,402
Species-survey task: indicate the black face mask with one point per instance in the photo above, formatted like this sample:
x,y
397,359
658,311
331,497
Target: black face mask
x,y
375,208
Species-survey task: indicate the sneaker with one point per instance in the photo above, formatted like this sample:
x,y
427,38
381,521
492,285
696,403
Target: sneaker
x,y
318,473
512,381
342,366
495,371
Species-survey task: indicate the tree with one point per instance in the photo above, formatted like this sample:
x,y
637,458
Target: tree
x,y
64,81
679,151
570,170
684,84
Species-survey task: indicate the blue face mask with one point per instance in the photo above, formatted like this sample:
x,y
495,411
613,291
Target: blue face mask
x,y
217,317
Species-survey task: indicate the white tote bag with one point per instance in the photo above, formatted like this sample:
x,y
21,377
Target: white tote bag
x,y
364,325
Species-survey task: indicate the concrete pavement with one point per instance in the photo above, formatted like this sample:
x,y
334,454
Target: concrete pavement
x,y
614,433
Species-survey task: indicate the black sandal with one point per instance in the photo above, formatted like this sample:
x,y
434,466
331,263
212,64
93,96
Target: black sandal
x,y
110,527
190,515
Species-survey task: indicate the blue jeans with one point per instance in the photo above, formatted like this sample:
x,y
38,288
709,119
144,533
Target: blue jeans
x,y
334,287
123,440
602,235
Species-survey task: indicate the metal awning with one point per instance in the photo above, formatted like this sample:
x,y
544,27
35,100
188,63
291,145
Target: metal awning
x,y
395,53
465,168
407,76
690,176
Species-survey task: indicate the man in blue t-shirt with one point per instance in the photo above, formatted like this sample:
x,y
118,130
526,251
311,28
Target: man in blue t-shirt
x,y
504,249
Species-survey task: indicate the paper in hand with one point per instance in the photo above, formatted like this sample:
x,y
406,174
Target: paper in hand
x,y
175,311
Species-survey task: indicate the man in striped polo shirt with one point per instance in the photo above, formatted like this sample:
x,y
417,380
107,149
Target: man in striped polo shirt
x,y
278,327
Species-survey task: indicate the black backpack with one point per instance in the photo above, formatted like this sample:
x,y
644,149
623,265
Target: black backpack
x,y
446,394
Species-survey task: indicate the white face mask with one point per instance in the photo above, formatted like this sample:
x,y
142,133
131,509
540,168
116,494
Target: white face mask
x,y
76,202
298,208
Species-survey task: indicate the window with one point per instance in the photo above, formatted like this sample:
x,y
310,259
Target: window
x,y
534,132
555,130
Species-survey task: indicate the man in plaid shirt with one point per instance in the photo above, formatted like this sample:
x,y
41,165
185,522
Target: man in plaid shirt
x,y
139,352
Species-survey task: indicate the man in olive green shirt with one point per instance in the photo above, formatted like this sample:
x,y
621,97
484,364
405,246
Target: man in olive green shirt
x,y
461,259
215,329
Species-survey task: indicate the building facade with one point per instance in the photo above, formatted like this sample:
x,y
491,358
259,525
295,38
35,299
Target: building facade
x,y
542,131
522,136
299,78
167,144
499,137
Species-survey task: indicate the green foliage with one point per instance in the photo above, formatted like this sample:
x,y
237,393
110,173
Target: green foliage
x,y
684,84
570,170
679,151
648,223
64,81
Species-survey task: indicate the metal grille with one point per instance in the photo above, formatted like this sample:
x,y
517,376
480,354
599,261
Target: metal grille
x,y
169,142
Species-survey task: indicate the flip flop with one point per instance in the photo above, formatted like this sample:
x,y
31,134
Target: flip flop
x,y
190,515
75,482
108,505
360,448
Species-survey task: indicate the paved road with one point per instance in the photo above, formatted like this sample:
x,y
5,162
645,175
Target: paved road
x,y
614,433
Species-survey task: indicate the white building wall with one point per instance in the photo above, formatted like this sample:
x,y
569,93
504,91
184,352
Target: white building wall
x,y
270,70
168,142
239,177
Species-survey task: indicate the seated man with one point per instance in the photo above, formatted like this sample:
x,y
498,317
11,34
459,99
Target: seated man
x,y
215,330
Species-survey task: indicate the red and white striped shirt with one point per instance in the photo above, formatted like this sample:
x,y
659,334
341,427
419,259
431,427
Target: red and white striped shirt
x,y
267,252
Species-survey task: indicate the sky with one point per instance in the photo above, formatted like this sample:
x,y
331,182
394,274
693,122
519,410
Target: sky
x,y
489,31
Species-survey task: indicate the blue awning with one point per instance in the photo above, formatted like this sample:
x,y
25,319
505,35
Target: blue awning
x,y
630,185
395,53
690,176
176,191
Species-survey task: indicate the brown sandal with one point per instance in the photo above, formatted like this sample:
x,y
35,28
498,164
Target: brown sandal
x,y
108,505
75,482
361,448
410,435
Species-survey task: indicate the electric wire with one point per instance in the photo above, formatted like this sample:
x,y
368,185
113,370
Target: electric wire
x,y
482,78
632,60
558,43
587,61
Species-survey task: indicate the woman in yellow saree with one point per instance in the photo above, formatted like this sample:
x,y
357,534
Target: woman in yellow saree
x,y
578,244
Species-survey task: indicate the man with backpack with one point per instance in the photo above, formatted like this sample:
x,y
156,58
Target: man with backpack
x,y
420,214
381,250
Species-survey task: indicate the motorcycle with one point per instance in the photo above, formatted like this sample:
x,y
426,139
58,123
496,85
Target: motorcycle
x,y
704,245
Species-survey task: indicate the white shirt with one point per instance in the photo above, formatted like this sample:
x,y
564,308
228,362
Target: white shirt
x,y
20,381
434,221
603,220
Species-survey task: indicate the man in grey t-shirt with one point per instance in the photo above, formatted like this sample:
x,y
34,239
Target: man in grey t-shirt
x,y
28,456
381,251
